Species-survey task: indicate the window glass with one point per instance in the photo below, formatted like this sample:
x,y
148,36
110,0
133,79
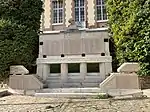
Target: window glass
x,y
55,68
74,68
57,11
79,10
101,10
93,67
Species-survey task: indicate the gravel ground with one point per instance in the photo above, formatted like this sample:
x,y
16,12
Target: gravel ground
x,y
18,103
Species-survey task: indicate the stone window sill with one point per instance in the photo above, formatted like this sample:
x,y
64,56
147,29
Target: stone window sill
x,y
101,21
57,24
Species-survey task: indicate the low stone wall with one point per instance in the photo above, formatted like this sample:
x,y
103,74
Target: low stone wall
x,y
144,82
24,82
120,81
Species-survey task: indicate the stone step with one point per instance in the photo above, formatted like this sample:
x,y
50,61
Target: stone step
x,y
72,85
71,90
70,95
76,79
94,80
75,76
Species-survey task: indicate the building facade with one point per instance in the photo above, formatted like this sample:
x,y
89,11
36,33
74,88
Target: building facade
x,y
86,13
74,43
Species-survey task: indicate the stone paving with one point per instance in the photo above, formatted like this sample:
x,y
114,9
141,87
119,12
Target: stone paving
x,y
33,104
20,103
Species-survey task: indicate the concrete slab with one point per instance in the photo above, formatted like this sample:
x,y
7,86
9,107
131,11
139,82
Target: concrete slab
x,y
72,85
129,67
69,95
3,92
18,69
71,90
124,92
146,92
22,92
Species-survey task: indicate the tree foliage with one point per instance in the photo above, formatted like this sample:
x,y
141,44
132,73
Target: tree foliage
x,y
129,22
19,27
22,12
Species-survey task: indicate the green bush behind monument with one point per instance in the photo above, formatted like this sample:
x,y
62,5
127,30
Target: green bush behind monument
x,y
129,22
19,28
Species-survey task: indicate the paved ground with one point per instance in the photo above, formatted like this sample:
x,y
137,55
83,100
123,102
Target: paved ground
x,y
18,103
34,104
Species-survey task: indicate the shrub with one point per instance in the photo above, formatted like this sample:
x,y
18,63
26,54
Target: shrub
x,y
17,44
129,26
19,27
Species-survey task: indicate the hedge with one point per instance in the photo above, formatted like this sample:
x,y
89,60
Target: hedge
x,y
129,23
19,27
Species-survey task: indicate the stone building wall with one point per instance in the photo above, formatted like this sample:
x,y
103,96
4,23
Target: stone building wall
x,y
90,15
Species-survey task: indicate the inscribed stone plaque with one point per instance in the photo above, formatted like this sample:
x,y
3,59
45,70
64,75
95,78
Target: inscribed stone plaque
x,y
72,46
92,45
53,47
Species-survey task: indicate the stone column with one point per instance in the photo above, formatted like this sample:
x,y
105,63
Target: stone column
x,y
46,71
106,43
83,70
102,71
64,72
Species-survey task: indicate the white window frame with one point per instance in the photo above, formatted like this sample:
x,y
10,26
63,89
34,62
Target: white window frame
x,y
79,10
58,16
102,13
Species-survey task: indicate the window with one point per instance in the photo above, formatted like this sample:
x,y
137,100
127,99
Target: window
x,y
93,67
101,10
55,68
79,10
57,11
74,68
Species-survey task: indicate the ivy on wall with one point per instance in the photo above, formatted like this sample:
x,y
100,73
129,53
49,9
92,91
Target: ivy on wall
x,y
19,27
129,22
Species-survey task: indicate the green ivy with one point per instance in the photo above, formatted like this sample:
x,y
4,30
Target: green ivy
x,y
129,22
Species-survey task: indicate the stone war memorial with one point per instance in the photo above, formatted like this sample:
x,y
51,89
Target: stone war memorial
x,y
74,58
74,52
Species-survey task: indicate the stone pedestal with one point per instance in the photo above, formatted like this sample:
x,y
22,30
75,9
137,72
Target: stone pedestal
x,y
64,72
83,70
46,71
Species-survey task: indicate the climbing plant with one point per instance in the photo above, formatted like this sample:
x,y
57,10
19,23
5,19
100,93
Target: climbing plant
x,y
129,22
